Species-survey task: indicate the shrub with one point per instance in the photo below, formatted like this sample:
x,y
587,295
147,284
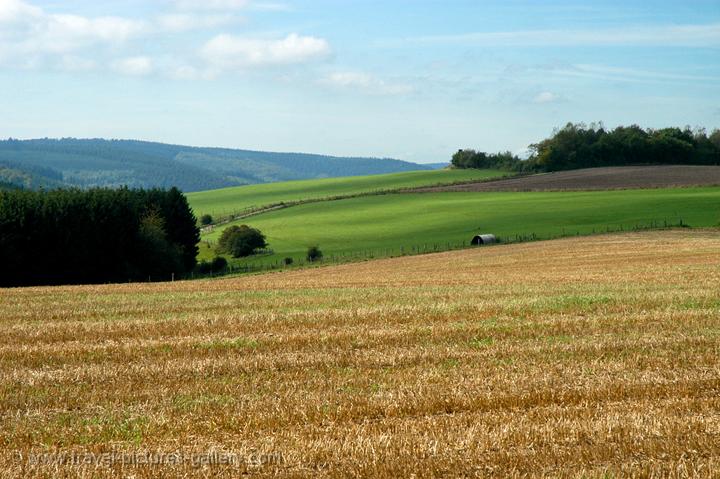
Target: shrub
x,y
203,267
219,264
288,261
206,220
314,254
241,241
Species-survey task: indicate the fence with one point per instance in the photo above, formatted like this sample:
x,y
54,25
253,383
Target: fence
x,y
226,217
434,247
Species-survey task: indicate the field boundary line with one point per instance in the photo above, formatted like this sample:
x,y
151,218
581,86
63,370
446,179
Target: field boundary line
x,y
254,211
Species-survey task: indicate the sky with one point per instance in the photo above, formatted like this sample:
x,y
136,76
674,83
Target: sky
x,y
408,79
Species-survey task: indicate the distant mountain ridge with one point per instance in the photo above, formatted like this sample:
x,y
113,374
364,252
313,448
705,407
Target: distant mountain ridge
x,y
51,163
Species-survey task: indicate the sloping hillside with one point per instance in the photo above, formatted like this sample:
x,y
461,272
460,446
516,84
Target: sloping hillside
x,y
405,223
242,199
97,162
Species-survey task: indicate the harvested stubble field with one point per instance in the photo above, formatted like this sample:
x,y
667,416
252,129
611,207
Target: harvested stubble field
x,y
593,357
608,178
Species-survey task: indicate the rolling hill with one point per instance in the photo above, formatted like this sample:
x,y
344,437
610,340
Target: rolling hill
x,y
228,201
403,223
84,163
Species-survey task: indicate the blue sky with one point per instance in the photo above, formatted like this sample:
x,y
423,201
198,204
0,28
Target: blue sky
x,y
414,80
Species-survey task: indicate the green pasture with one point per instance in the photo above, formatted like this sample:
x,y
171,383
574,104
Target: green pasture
x,y
227,201
407,222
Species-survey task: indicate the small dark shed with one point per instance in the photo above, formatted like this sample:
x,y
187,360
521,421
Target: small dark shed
x,y
483,239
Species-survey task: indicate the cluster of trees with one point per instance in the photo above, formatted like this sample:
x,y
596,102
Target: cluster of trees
x,y
585,146
482,160
95,236
581,146
241,241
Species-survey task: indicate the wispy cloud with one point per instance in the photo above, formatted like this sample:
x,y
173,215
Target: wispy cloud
x,y
210,4
75,63
366,83
661,35
607,72
182,22
270,7
546,97
133,66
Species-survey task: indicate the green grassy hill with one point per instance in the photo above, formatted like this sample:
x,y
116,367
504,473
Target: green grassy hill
x,y
227,201
383,225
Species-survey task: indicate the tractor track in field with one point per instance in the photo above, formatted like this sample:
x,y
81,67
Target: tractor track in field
x,y
593,179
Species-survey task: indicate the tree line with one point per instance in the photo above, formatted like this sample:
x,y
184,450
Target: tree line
x,y
72,236
585,146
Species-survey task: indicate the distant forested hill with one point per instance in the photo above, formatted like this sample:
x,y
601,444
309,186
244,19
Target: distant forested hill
x,y
437,166
49,163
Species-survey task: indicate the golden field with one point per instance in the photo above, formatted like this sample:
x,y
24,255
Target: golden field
x,y
582,357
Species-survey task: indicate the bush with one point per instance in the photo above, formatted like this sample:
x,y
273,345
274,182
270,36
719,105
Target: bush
x,y
288,261
206,220
241,241
314,254
219,264
203,267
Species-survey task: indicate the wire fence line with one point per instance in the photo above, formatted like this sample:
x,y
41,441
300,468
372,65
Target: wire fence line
x,y
225,217
278,264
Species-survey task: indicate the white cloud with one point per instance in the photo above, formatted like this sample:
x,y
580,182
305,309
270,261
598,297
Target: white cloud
x,y
270,7
230,5
707,35
181,22
189,72
34,38
366,83
546,97
211,4
73,31
28,33
229,51
133,66
76,63
12,10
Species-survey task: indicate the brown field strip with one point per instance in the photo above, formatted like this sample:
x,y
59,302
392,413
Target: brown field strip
x,y
607,178
581,357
